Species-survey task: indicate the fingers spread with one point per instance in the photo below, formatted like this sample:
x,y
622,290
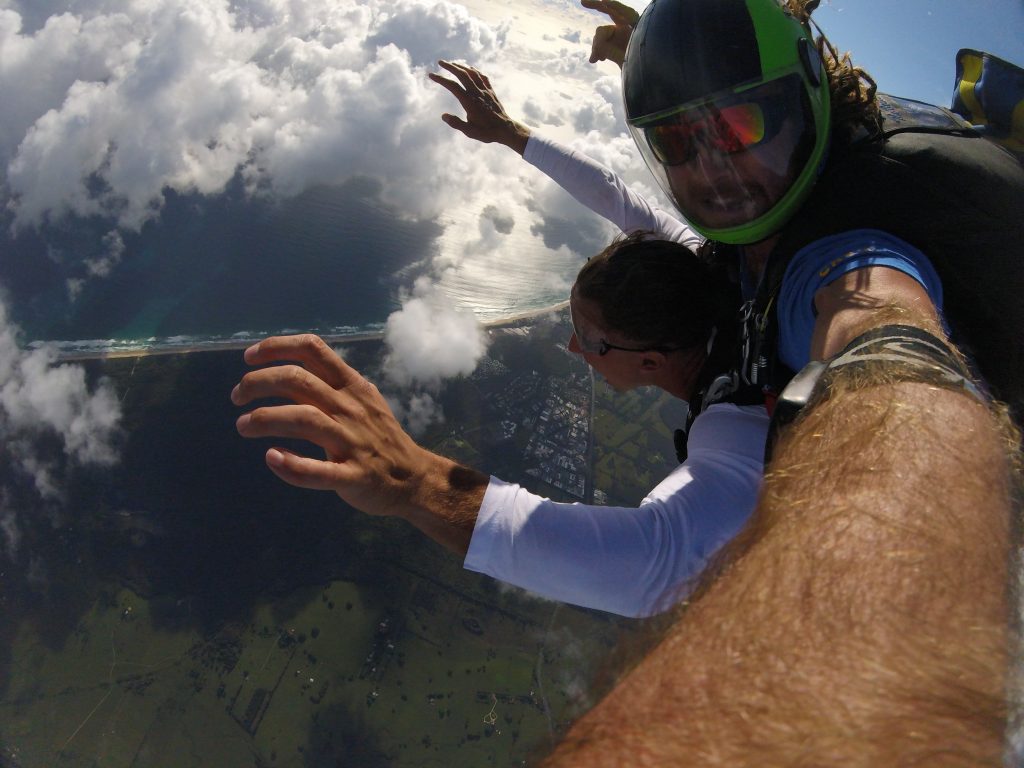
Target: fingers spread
x,y
460,71
455,122
450,85
310,350
470,77
289,382
300,422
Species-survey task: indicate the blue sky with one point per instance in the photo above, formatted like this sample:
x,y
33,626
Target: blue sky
x,y
910,46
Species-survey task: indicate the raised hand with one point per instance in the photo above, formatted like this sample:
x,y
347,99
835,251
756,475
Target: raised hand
x,y
486,119
610,40
369,461
369,458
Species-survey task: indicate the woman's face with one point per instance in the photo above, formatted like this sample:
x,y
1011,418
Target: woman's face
x,y
620,368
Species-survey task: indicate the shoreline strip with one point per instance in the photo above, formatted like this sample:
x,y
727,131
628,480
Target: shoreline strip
x,y
227,346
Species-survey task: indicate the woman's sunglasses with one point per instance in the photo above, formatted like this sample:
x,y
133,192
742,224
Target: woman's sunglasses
x,y
601,347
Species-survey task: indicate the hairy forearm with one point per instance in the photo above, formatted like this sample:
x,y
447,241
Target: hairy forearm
x,y
862,619
445,501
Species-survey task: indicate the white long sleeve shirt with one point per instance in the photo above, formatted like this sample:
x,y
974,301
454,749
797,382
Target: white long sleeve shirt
x,y
600,190
630,561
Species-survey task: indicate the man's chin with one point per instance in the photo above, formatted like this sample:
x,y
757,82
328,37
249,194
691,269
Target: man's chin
x,y
726,214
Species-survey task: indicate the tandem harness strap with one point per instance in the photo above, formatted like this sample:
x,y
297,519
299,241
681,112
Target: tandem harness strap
x,y
719,382
885,355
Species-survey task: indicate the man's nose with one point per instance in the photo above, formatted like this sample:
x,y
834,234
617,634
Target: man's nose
x,y
574,344
709,158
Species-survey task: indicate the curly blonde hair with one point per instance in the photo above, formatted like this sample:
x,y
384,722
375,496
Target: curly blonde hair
x,y
851,89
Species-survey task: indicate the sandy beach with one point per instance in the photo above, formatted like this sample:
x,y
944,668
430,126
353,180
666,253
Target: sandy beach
x,y
230,344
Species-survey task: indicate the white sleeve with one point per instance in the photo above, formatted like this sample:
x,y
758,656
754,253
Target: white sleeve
x,y
630,561
600,190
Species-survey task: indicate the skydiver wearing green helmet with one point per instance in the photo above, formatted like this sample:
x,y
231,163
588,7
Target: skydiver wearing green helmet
x,y
770,144
861,617
737,145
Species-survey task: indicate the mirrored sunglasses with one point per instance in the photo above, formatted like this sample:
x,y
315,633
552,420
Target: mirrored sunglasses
x,y
727,129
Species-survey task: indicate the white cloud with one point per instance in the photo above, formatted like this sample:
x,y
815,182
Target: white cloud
x,y
39,399
108,107
595,114
493,226
100,265
44,473
9,527
429,339
108,104
493,219
431,30
419,413
536,113
113,245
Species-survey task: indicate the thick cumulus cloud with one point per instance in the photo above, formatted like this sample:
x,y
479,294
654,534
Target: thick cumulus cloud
x,y
433,31
429,339
42,401
109,106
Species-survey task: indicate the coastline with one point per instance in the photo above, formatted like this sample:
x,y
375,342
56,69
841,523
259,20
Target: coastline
x,y
230,345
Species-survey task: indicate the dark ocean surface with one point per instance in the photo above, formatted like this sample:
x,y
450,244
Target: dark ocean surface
x,y
235,267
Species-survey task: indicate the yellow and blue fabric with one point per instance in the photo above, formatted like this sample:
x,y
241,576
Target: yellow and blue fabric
x,y
989,93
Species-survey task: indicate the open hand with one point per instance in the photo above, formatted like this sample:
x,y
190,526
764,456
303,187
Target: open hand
x,y
610,40
370,461
486,120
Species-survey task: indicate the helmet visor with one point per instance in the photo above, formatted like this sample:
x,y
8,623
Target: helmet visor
x,y
729,160
728,128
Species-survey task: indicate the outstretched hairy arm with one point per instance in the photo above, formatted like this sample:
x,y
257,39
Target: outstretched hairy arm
x,y
862,618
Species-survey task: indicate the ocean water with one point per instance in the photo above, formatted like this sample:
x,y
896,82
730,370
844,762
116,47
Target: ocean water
x,y
228,269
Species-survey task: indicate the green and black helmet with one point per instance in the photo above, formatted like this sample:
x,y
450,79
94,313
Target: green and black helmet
x,y
728,102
